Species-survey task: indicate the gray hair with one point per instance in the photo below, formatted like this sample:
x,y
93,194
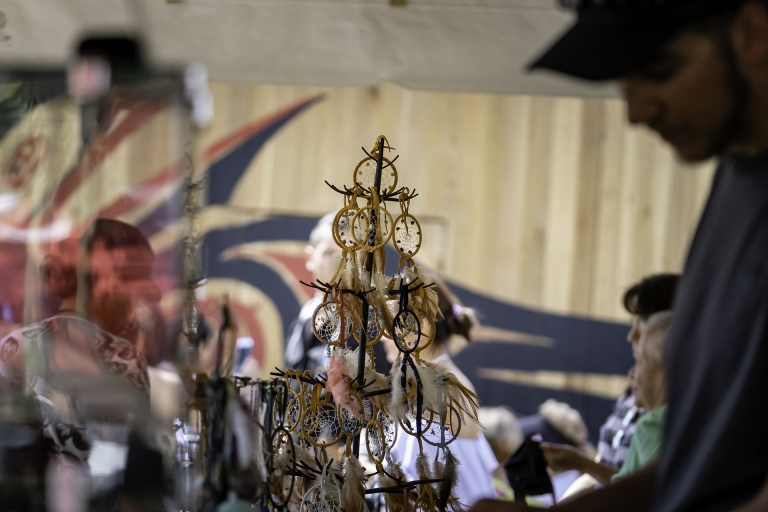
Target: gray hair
x,y
566,420
655,331
323,229
502,430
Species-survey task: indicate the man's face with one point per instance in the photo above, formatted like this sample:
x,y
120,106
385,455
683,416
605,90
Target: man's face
x,y
690,95
121,278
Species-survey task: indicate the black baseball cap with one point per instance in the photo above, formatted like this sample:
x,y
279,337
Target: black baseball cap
x,y
613,37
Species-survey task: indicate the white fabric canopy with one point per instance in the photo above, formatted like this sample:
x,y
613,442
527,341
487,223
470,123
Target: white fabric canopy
x,y
451,45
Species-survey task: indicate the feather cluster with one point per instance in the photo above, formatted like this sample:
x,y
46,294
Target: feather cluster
x,y
426,491
353,489
350,275
429,293
338,383
452,391
422,467
380,299
393,476
374,381
303,484
404,398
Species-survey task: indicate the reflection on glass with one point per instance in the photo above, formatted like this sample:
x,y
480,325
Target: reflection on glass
x,y
89,208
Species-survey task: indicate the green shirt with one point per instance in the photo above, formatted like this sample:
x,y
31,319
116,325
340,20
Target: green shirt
x,y
646,442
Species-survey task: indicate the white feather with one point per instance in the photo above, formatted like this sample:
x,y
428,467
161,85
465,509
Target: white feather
x,y
380,300
380,381
432,386
351,362
409,275
397,406
422,467
451,390
365,278
431,377
353,490
350,278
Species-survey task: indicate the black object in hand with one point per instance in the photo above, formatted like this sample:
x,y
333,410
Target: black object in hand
x,y
527,470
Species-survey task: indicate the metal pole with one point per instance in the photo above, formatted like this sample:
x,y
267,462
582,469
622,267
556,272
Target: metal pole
x,y
369,268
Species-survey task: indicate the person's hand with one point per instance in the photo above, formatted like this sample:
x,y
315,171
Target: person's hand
x,y
561,457
499,506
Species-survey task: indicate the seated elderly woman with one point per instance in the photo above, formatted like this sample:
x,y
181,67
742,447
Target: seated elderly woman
x,y
650,388
651,295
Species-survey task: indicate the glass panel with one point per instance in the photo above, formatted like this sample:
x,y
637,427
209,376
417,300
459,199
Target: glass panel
x,y
91,194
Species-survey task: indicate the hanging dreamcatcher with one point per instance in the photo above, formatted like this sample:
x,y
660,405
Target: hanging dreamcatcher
x,y
301,417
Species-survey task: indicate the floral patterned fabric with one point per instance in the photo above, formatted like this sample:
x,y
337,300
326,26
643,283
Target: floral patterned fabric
x,y
68,345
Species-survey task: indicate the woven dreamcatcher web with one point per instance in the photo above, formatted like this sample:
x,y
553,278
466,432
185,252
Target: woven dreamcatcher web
x,y
365,172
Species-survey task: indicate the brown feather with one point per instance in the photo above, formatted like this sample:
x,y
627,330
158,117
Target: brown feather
x,y
447,487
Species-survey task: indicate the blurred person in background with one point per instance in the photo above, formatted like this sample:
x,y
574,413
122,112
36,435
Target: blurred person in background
x,y
652,294
649,384
90,382
303,350
103,302
504,434
560,426
121,296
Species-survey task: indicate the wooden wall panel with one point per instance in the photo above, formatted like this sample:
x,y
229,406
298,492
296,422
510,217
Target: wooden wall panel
x,y
554,203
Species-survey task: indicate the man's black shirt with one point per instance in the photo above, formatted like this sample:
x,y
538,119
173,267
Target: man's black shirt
x,y
715,452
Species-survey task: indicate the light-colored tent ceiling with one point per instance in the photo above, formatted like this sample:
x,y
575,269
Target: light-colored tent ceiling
x,y
453,45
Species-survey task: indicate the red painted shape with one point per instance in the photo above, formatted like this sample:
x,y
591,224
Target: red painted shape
x,y
297,265
96,153
244,316
140,193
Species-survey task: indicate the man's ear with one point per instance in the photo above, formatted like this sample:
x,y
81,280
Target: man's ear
x,y
749,34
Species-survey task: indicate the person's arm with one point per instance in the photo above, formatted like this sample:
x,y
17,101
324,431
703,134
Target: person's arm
x,y
759,503
632,494
562,457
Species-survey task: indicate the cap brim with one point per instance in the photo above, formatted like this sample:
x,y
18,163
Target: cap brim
x,y
596,50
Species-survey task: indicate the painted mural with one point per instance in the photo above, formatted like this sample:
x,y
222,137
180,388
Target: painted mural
x,y
521,356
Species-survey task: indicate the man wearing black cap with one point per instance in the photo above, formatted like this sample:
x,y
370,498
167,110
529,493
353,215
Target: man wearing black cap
x,y
696,72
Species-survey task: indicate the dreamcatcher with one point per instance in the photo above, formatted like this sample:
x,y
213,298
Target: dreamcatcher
x,y
301,416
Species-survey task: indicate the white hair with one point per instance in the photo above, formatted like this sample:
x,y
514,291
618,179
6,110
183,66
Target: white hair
x,y
502,430
322,230
565,419
654,332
